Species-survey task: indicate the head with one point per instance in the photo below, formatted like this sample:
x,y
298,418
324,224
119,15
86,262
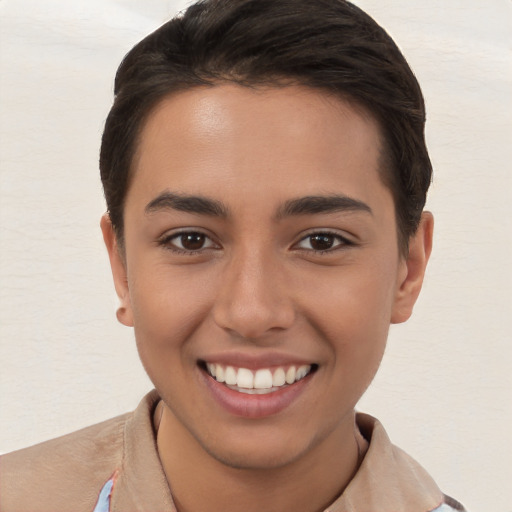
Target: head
x,y
328,45
265,175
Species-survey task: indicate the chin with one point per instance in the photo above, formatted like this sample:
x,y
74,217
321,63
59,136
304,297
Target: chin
x,y
254,458
270,448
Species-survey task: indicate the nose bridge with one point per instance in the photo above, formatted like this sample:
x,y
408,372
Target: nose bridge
x,y
253,298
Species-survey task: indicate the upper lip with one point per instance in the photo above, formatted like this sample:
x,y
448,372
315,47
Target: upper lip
x,y
255,361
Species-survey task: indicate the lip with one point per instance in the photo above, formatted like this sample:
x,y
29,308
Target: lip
x,y
255,362
255,406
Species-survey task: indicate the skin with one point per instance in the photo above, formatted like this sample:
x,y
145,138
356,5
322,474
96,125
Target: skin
x,y
258,286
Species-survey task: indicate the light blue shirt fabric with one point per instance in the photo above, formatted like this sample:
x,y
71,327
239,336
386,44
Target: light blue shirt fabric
x,y
444,508
103,504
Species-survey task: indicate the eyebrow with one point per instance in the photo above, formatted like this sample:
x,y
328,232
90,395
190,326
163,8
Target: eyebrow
x,y
190,204
311,205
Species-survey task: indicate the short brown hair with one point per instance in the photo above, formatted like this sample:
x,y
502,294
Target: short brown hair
x,y
330,45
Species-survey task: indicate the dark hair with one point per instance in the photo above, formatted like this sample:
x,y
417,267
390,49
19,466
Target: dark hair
x,y
330,45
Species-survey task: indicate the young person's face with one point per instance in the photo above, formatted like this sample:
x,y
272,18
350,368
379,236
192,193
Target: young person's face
x,y
259,235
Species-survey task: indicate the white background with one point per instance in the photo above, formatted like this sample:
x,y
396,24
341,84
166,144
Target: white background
x,y
444,390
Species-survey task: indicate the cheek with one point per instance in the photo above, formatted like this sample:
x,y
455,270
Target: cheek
x,y
167,309
352,313
356,300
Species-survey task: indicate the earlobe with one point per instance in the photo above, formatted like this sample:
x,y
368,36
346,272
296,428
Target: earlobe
x,y
118,267
415,264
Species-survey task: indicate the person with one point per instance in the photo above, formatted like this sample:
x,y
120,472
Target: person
x,y
265,172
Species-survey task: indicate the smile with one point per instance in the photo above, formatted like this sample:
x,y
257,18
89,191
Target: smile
x,y
261,381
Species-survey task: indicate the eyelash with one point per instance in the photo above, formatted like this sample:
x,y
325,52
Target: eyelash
x,y
342,242
167,242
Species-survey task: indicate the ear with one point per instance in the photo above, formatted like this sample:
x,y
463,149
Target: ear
x,y
413,270
118,266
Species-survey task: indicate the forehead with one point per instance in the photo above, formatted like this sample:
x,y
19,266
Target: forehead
x,y
267,142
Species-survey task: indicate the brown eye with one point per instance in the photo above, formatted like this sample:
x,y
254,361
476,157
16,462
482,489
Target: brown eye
x,y
192,241
188,241
321,242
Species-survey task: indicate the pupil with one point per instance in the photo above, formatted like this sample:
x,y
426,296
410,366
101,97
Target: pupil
x,y
322,242
192,241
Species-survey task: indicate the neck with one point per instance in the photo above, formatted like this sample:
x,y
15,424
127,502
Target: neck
x,y
198,481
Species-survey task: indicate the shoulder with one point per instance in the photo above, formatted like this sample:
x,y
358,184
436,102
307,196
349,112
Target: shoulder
x,y
450,505
391,480
64,473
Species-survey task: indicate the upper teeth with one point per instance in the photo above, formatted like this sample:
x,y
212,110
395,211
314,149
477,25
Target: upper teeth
x,y
264,378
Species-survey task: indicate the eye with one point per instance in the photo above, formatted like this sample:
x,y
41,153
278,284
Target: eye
x,y
188,241
321,242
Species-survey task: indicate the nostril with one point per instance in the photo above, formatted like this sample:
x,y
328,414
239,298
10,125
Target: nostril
x,y
253,323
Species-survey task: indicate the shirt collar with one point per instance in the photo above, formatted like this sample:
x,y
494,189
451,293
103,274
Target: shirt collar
x,y
141,485
388,480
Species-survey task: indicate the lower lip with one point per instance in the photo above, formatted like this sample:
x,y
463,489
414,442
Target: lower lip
x,y
255,406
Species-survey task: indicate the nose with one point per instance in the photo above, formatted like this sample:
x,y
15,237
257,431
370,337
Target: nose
x,y
254,298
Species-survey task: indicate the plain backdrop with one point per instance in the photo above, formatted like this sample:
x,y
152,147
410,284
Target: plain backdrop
x,y
444,389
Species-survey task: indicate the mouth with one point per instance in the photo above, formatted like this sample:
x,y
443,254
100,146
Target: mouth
x,y
262,381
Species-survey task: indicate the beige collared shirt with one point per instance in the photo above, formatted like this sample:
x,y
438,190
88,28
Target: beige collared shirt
x,y
114,466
